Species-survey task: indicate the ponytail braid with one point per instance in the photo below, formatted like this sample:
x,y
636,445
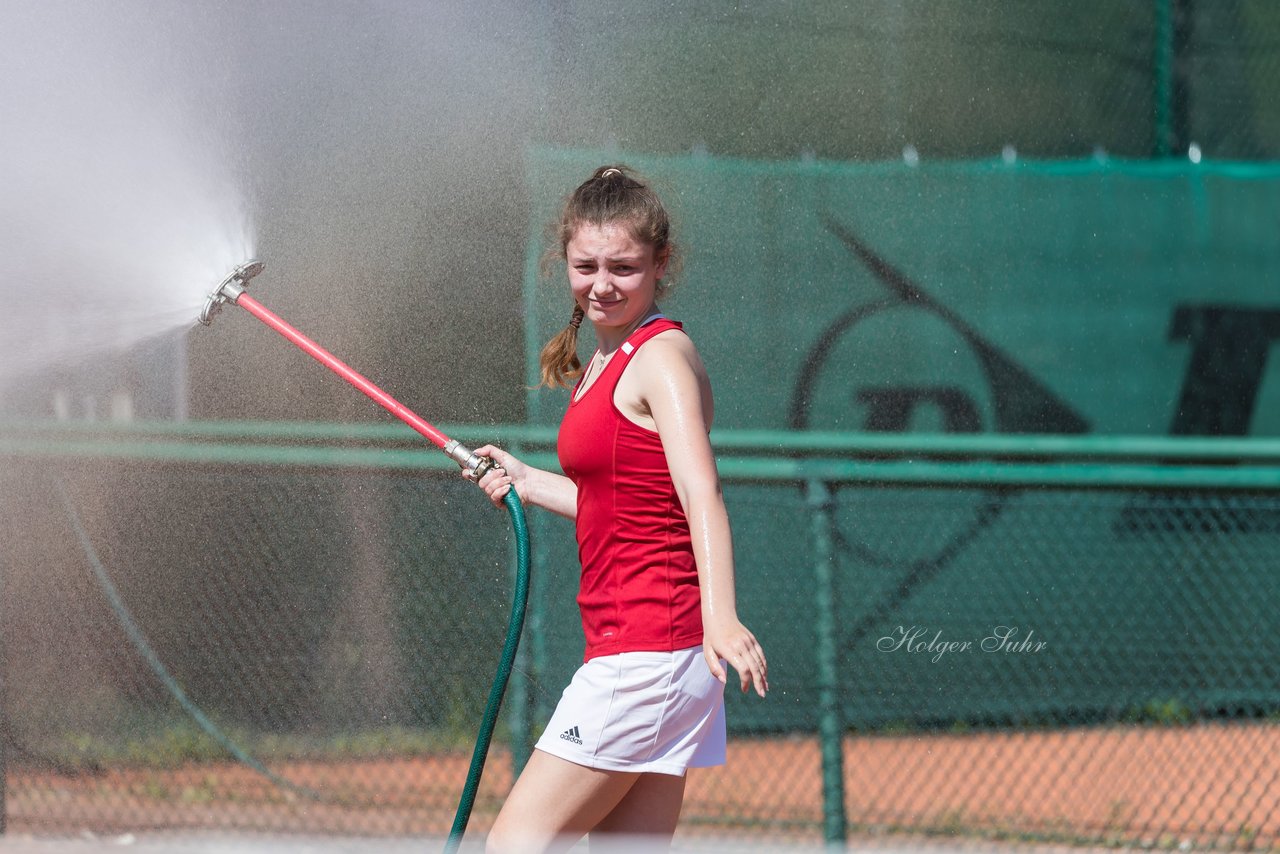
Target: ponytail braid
x,y
559,358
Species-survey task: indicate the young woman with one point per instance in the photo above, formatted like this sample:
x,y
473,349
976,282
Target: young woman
x,y
657,585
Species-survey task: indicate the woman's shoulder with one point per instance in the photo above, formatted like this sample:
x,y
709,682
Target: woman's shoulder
x,y
667,376
670,350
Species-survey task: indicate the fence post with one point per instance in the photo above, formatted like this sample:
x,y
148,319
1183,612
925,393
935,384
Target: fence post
x,y
1162,72
1174,20
830,727
518,709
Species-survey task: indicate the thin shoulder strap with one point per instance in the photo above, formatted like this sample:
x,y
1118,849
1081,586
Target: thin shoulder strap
x,y
644,333
618,364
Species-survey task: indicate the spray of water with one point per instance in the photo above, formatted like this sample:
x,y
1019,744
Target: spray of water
x,y
120,211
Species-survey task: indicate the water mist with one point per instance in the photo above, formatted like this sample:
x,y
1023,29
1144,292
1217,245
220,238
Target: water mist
x,y
121,209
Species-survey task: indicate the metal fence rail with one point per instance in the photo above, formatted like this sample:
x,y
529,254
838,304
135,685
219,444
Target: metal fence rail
x,y
1022,637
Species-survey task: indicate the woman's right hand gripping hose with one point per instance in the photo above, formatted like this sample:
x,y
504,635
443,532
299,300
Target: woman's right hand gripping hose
x,y
506,473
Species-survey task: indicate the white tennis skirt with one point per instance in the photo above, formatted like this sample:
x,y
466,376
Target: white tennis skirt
x,y
660,712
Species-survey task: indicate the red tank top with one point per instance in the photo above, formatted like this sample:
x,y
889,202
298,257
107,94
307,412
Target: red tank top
x,y
639,586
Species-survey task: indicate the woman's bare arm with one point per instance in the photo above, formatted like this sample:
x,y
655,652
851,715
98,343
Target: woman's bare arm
x,y
536,487
677,395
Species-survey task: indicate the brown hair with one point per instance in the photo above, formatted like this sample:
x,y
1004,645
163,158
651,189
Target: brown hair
x,y
614,194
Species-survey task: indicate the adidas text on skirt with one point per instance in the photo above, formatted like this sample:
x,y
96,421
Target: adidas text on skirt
x,y
660,712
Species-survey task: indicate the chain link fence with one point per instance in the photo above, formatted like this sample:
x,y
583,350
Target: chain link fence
x,y
1226,55
288,639
287,648
854,81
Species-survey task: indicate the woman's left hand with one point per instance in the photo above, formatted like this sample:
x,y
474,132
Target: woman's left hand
x,y
734,643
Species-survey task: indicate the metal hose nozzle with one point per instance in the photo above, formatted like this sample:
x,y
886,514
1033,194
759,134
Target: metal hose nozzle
x,y
230,289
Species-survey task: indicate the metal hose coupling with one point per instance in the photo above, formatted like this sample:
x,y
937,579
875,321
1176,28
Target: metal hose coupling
x,y
469,460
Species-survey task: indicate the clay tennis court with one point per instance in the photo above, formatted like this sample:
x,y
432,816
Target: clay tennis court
x,y
1202,786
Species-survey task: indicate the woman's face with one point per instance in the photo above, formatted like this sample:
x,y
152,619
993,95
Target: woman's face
x,y
614,277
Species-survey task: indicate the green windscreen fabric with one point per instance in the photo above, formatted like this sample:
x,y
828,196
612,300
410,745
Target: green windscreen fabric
x,y
1091,297
1103,296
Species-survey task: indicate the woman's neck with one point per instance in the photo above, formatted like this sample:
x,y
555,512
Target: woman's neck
x,y
610,338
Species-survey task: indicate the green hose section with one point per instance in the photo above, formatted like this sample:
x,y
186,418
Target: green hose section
x,y
520,599
506,662
139,641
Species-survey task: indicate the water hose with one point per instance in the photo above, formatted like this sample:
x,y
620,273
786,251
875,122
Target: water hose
x,y
232,291
520,598
139,641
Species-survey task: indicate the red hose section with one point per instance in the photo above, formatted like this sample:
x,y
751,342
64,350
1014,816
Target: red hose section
x,y
334,364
